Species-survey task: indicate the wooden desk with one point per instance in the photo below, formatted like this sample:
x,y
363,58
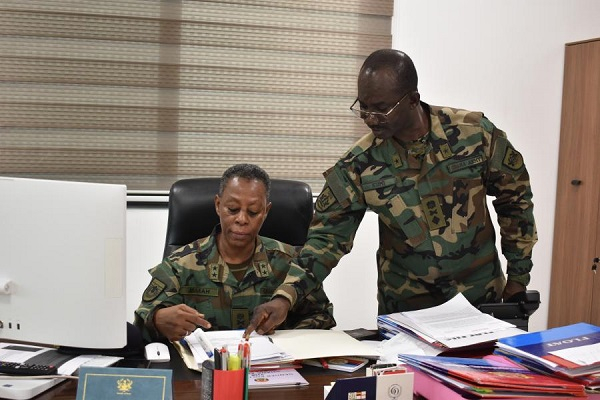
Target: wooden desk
x,y
187,383
190,389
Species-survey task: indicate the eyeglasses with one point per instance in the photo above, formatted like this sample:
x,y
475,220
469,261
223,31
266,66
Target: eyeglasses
x,y
379,115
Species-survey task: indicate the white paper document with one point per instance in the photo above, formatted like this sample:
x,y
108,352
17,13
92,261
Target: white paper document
x,y
283,346
455,323
316,343
263,350
582,355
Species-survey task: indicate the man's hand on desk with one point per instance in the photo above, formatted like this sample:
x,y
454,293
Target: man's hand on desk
x,y
268,316
178,321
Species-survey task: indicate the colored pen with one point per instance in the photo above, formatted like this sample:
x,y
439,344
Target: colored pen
x,y
324,363
217,357
247,356
224,358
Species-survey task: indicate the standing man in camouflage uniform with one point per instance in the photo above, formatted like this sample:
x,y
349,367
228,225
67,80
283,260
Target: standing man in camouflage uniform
x,y
216,282
425,170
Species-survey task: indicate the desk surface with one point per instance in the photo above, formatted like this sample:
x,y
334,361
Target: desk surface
x,y
189,389
187,383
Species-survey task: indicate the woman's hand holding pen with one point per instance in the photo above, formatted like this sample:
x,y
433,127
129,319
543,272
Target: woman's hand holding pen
x,y
176,322
268,316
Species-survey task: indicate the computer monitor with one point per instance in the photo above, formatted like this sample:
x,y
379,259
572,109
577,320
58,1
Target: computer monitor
x,y
62,263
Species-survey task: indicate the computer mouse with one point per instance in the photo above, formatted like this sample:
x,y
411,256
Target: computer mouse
x,y
157,352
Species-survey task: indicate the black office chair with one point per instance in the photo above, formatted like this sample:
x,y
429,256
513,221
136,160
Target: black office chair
x,y
192,212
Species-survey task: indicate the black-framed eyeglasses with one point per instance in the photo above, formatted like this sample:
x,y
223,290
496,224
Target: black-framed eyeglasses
x,y
360,113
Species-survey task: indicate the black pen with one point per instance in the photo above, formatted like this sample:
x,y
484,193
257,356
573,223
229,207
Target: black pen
x,y
217,357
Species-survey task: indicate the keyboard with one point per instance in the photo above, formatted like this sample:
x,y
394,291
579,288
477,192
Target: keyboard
x,y
14,368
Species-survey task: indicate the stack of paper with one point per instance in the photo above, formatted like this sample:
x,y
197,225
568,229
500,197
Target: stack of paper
x,y
280,348
571,351
456,324
491,377
263,350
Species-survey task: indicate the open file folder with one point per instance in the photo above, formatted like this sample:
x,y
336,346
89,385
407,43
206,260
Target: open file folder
x,y
285,346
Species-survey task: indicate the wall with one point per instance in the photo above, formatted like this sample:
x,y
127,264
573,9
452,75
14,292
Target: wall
x,y
504,58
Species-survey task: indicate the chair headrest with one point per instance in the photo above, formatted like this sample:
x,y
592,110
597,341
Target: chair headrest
x,y
192,212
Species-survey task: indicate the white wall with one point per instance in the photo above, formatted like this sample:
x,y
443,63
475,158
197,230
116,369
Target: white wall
x,y
146,233
505,58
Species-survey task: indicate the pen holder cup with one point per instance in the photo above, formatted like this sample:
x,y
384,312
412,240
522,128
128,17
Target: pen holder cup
x,y
223,385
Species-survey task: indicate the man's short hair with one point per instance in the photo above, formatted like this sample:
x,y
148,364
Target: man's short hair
x,y
245,171
397,61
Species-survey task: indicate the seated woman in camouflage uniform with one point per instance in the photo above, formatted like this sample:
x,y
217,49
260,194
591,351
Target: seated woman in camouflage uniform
x,y
217,281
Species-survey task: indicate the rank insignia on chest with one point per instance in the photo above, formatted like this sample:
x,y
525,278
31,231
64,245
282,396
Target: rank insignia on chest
x,y
214,272
262,269
445,150
397,161
433,212
240,318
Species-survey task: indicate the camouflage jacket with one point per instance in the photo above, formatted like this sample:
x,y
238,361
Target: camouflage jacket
x,y
435,232
197,276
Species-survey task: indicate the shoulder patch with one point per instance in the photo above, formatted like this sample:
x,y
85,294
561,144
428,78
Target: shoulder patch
x,y
325,200
512,159
506,158
153,290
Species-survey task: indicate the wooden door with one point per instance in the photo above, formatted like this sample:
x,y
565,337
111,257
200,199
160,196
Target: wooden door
x,y
574,287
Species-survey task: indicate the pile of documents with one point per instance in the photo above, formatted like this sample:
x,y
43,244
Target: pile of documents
x,y
203,346
276,350
492,376
571,351
454,325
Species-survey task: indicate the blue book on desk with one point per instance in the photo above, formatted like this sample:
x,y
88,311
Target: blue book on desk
x,y
537,348
98,383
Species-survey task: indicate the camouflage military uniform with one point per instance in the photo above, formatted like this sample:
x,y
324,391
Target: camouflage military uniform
x,y
197,276
435,232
